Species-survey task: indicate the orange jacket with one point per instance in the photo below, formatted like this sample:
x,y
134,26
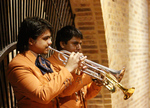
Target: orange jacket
x,y
81,89
33,89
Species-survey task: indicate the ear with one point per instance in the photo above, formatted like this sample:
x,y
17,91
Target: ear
x,y
62,44
31,41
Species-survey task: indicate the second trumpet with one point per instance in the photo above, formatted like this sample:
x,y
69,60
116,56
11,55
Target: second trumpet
x,y
103,74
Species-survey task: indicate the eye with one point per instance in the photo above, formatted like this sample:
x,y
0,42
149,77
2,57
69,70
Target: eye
x,y
50,38
47,37
75,43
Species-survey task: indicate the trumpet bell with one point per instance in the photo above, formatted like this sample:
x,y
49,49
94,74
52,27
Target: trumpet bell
x,y
128,93
119,75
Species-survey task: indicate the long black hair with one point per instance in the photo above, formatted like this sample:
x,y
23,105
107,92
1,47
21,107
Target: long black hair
x,y
31,27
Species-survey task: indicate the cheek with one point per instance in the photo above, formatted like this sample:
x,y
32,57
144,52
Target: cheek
x,y
40,43
72,48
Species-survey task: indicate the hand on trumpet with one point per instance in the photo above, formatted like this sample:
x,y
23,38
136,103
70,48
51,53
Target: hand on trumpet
x,y
76,60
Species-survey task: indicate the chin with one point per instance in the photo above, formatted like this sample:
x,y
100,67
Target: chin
x,y
46,52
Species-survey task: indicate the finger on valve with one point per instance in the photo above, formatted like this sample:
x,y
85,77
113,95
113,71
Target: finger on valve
x,y
82,64
72,62
78,72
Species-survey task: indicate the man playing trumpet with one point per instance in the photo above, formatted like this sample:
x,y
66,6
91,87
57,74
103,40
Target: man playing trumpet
x,y
82,88
35,81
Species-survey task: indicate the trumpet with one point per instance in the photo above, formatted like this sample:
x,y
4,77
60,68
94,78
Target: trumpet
x,y
110,78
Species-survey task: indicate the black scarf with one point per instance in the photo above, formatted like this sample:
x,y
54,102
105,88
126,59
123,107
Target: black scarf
x,y
43,64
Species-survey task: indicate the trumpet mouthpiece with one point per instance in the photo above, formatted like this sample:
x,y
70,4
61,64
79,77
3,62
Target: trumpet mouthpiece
x,y
50,47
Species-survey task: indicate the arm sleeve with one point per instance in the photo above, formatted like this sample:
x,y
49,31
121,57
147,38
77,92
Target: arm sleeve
x,y
92,90
38,87
78,82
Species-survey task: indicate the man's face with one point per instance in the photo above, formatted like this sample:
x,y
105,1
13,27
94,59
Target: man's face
x,y
73,45
40,45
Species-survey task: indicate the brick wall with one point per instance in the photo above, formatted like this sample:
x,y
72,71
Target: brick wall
x,y
149,43
116,35
126,24
139,52
89,21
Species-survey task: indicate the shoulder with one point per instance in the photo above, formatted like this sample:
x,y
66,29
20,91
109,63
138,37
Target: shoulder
x,y
53,59
19,61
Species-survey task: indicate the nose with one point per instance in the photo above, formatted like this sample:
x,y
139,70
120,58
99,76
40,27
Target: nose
x,y
79,47
49,41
